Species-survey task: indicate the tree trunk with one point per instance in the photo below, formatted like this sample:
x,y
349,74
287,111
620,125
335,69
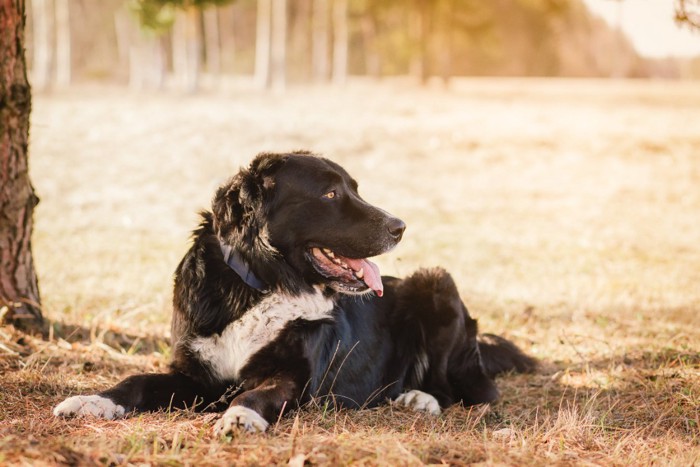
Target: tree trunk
x,y
147,60
212,40
279,45
193,33
227,17
187,47
373,61
299,40
340,41
63,43
159,66
42,20
262,44
422,34
137,78
179,46
19,291
320,40
123,26
445,56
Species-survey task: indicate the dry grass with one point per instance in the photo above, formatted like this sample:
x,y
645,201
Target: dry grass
x,y
567,211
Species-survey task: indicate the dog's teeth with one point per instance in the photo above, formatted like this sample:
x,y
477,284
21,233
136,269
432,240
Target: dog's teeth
x,y
360,274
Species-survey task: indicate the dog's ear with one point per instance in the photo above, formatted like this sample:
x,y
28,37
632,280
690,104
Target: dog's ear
x,y
264,167
240,205
227,207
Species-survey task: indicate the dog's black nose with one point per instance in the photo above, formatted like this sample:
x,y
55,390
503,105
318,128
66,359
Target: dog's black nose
x,y
396,227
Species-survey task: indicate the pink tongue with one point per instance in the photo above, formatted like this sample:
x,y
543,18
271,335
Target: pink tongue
x,y
372,277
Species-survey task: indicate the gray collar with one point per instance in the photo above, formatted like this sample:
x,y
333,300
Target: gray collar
x,y
234,260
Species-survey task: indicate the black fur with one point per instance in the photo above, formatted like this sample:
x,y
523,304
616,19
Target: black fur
x,y
418,335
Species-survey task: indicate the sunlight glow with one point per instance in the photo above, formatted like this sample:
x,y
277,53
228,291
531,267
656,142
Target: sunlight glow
x,y
650,26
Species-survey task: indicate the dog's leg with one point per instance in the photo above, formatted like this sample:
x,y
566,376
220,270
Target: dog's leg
x,y
448,365
476,359
141,393
468,378
459,364
255,409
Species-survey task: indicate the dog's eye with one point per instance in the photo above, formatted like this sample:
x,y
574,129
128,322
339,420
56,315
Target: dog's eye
x,y
330,195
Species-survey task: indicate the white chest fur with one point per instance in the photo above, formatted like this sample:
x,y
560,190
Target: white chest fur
x,y
228,353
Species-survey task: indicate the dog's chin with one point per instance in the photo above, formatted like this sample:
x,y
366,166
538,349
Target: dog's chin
x,y
352,276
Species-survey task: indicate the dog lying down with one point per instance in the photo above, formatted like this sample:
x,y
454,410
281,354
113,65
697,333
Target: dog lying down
x,y
276,303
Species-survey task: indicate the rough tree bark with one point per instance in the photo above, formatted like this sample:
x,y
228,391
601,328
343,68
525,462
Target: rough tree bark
x,y
19,291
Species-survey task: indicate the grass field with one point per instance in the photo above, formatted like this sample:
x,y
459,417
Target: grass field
x,y
568,212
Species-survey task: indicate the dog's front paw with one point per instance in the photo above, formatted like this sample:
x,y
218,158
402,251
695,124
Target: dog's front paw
x,y
90,406
419,401
238,417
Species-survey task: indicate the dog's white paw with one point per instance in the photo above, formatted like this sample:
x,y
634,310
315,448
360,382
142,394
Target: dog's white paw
x,y
419,401
90,406
238,417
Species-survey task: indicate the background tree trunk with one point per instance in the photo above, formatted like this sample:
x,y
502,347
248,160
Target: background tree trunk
x,y
212,40
179,48
187,48
227,29
262,44
340,41
193,34
320,39
446,42
123,26
63,43
373,59
42,21
279,45
421,34
19,291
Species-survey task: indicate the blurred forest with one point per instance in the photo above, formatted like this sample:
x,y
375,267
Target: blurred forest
x,y
155,43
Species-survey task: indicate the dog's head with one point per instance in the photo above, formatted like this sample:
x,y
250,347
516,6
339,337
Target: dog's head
x,y
298,221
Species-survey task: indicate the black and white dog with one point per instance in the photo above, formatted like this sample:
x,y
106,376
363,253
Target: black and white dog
x,y
275,304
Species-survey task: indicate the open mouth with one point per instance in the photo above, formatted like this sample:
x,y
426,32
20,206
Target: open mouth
x,y
349,274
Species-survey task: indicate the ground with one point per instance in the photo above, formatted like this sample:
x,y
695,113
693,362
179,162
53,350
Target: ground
x,y
568,212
